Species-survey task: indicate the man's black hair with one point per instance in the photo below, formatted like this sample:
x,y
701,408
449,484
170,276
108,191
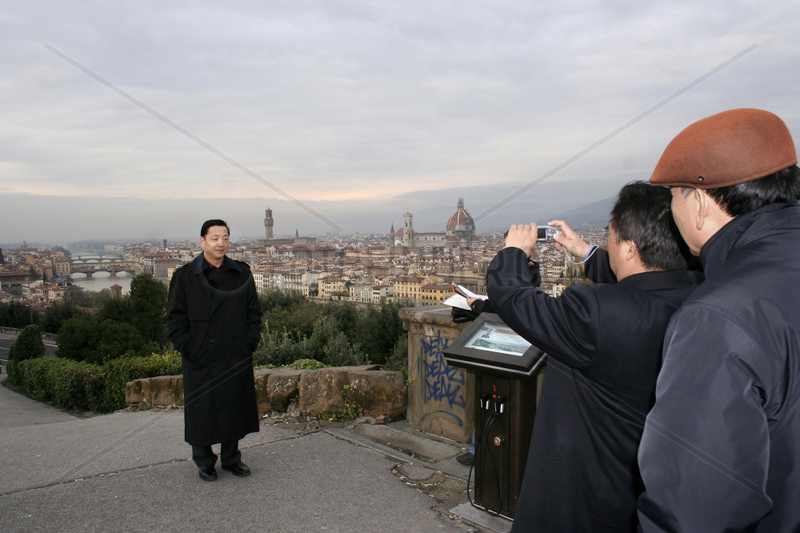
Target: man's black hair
x,y
213,222
781,187
642,215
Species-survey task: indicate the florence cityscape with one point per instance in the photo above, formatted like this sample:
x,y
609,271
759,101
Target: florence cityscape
x,y
368,158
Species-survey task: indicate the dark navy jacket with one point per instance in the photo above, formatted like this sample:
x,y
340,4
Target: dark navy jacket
x,y
721,450
604,345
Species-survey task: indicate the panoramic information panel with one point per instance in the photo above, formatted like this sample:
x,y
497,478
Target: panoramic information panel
x,y
489,344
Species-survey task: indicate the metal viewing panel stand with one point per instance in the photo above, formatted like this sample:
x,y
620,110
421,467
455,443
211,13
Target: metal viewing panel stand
x,y
504,365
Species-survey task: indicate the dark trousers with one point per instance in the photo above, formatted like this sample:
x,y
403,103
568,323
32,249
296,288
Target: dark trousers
x,y
204,456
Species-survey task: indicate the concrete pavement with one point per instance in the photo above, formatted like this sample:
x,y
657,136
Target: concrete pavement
x,y
131,471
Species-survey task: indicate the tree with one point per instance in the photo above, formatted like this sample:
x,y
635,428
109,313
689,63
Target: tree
x,y
377,330
276,298
80,298
97,340
55,316
148,308
330,345
2,258
101,298
298,321
28,345
116,310
15,315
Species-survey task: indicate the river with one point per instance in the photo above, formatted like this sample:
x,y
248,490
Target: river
x,y
103,280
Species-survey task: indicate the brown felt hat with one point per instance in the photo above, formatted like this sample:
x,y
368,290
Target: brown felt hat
x,y
725,149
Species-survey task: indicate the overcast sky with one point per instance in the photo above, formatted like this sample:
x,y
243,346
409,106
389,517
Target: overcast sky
x,y
353,108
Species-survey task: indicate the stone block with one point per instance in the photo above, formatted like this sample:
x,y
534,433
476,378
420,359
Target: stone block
x,y
166,390
261,378
378,392
284,387
134,392
298,392
162,391
320,391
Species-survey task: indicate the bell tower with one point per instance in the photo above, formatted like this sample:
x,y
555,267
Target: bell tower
x,y
269,222
408,229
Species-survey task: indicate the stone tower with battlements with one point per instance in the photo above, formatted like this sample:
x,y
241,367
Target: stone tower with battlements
x,y
269,222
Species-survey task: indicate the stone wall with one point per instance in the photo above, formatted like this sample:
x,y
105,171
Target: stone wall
x,y
333,390
440,396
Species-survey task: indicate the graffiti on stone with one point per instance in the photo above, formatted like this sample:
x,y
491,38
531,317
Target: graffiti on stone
x,y
443,383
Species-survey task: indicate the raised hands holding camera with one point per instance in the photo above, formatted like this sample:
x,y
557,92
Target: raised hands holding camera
x,y
522,236
568,240
525,237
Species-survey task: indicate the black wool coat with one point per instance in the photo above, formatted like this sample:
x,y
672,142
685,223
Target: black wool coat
x,y
216,331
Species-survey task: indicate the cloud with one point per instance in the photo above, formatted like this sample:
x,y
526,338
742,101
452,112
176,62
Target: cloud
x,y
366,101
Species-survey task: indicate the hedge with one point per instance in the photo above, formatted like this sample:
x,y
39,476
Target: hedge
x,y
84,386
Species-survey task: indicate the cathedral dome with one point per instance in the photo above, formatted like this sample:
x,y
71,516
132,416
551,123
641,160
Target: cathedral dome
x,y
460,219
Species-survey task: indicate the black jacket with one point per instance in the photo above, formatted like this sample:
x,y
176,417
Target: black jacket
x,y
721,450
216,331
604,346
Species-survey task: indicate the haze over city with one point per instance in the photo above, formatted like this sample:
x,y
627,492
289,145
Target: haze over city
x,y
117,119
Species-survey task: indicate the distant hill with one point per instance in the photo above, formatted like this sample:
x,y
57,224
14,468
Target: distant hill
x,y
594,215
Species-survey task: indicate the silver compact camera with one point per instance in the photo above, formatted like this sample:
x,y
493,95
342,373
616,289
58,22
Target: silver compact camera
x,y
546,233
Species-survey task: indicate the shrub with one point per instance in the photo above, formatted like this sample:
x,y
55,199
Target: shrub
x,y
280,349
337,333
80,385
307,364
59,381
28,345
118,372
399,358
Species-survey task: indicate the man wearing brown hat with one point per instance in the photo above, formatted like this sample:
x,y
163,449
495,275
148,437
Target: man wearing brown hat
x,y
721,446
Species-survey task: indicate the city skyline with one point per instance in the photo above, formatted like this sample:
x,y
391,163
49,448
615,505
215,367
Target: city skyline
x,y
359,111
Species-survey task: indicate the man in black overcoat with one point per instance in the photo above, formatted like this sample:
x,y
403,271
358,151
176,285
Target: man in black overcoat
x,y
604,346
214,320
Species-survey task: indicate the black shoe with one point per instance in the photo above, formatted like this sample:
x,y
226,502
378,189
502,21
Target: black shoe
x,y
237,469
208,473
466,459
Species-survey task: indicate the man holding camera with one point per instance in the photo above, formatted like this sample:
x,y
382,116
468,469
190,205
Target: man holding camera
x,y
604,344
721,447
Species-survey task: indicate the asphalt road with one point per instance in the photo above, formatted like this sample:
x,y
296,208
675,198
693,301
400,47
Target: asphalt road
x,y
130,471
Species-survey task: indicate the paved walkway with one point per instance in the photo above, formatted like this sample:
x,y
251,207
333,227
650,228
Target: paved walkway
x,y
130,471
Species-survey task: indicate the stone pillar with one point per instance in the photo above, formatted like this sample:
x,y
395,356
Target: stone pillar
x,y
439,395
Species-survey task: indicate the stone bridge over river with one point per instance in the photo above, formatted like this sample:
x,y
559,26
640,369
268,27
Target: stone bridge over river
x,y
113,264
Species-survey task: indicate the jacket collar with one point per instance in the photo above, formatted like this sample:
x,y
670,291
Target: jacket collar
x,y
659,279
745,229
199,264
